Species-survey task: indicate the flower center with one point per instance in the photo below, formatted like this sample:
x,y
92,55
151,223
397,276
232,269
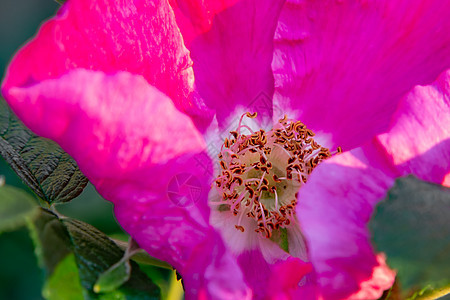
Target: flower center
x,y
262,172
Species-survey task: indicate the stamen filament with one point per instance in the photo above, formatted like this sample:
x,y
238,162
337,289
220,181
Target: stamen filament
x,y
262,166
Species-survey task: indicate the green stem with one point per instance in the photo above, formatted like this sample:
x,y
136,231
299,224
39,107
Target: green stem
x,y
142,257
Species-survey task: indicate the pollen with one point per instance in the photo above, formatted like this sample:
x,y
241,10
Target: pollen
x,y
261,172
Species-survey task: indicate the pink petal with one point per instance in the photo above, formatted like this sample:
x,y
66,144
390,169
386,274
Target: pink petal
x,y
231,44
196,17
132,144
381,276
334,208
285,278
140,37
344,65
280,279
418,140
338,199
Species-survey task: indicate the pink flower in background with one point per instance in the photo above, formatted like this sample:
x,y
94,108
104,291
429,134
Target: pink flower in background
x,y
133,89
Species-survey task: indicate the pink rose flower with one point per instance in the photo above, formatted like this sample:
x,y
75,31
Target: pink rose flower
x,y
138,91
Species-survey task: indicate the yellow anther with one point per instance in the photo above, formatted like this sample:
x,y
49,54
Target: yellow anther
x,y
251,116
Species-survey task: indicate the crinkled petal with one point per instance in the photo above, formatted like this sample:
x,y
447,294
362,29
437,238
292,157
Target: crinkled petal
x,y
231,44
334,208
140,37
140,153
418,140
344,65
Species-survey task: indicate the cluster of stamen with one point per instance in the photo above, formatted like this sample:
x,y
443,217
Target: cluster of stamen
x,y
261,172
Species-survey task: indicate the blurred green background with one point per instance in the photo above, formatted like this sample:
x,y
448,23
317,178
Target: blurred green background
x,y
20,276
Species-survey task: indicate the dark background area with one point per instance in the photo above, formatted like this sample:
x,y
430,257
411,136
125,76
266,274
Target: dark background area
x,y
20,276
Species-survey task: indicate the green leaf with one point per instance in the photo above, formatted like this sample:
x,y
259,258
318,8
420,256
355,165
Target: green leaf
x,y
412,226
429,293
51,240
113,278
64,283
56,238
95,253
50,172
16,206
